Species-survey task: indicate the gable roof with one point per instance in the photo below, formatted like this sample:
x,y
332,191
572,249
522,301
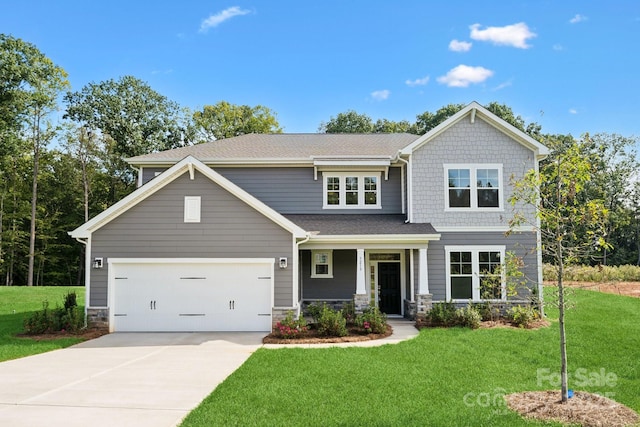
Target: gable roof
x,y
285,148
188,164
475,111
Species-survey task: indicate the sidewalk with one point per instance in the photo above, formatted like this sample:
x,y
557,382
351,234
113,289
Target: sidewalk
x,y
402,330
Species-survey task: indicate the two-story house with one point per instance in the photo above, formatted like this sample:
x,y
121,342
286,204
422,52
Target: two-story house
x,y
230,235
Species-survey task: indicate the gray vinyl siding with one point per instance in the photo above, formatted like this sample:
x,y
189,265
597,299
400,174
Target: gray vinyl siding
x,y
149,173
295,191
467,143
155,228
341,286
521,244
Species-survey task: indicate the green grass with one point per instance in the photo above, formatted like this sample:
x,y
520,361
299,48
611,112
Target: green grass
x,y
19,302
424,381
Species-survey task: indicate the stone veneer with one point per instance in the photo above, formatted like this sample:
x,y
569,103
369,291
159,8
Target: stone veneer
x,y
98,318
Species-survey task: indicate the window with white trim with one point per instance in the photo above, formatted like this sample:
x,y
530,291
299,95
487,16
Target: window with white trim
x,y
322,264
351,190
473,273
192,208
473,187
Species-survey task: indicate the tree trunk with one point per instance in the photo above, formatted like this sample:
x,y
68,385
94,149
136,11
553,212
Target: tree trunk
x,y
34,197
563,338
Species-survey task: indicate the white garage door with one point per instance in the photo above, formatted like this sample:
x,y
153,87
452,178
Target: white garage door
x,y
209,295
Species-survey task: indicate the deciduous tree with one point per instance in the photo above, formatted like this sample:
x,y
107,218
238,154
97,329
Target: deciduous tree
x,y
225,120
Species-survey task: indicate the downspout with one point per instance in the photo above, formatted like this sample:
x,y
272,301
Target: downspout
x,y
299,273
139,177
86,278
409,187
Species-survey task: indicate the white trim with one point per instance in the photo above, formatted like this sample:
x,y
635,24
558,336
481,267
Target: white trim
x,y
473,189
481,229
475,287
192,208
329,263
342,176
540,150
423,277
169,176
294,266
367,246
412,275
361,272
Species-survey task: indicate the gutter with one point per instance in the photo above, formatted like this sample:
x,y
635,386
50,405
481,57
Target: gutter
x,y
409,186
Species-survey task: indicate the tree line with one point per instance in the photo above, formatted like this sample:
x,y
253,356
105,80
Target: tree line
x,y
56,174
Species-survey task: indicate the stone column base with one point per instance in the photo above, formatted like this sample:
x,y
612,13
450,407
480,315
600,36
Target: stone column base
x,y
361,302
424,303
410,309
98,318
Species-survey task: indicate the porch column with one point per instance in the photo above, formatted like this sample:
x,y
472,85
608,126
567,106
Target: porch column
x,y
361,282
423,278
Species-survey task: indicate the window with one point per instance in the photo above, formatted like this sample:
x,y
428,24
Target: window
x,y
192,209
351,190
473,273
473,187
322,264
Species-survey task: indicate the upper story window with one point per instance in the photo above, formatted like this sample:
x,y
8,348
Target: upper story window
x,y
477,187
351,190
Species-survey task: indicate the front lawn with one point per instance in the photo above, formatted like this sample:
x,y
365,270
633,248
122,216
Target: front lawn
x,y
19,302
444,377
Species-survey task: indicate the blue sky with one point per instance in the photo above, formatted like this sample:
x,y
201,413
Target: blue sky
x,y
571,66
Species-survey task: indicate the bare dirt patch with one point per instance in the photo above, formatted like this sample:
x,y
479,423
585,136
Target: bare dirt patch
x,y
585,409
630,289
85,335
311,337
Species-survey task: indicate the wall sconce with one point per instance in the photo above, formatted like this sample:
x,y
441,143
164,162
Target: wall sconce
x,y
97,263
283,262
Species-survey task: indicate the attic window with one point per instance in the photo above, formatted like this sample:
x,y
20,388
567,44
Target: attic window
x,y
192,208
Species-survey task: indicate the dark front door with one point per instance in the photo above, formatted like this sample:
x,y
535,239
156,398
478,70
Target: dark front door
x,y
389,287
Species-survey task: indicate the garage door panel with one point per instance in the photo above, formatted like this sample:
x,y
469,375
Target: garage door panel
x,y
192,297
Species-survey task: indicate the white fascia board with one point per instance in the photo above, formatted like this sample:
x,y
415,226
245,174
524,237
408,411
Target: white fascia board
x,y
493,120
482,229
190,261
224,162
374,238
169,176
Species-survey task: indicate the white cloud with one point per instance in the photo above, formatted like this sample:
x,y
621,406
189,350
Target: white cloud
x,y
458,46
557,47
417,82
573,111
515,35
578,18
464,75
220,17
380,95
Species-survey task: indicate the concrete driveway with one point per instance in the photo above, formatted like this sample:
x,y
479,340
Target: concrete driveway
x,y
123,379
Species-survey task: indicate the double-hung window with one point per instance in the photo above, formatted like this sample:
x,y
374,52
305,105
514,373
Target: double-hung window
x,y
474,273
322,264
351,190
473,187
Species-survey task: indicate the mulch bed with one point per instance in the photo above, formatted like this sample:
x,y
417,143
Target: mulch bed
x,y
311,337
585,409
84,335
489,324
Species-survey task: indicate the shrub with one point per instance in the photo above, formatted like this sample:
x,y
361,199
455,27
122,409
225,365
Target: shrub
x,y
442,314
468,316
315,310
522,316
69,318
372,320
487,311
349,313
331,323
290,327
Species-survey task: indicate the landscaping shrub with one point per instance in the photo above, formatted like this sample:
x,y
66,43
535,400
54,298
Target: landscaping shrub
x,y
331,323
349,313
522,316
468,317
372,320
68,318
487,311
442,314
315,310
290,327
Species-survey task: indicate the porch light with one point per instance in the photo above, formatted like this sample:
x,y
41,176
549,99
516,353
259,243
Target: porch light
x,y
283,262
